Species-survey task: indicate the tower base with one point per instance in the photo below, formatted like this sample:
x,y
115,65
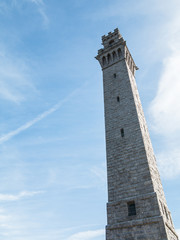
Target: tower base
x,y
152,228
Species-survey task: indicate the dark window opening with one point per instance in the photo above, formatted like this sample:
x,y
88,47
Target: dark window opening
x,y
131,208
104,61
114,56
109,58
119,53
122,132
111,42
114,75
118,99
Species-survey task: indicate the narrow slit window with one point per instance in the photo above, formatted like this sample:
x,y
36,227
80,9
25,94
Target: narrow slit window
x,y
118,99
122,132
114,75
131,208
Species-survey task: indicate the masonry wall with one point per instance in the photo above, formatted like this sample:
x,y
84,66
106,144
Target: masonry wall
x,y
128,171
139,230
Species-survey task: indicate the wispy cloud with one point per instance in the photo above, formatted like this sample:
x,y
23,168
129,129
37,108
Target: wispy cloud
x,y
87,235
41,9
169,162
165,107
38,2
8,6
27,125
14,78
121,9
100,172
3,7
4,221
11,197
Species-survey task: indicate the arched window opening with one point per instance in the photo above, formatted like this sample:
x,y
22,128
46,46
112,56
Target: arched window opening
x,y
118,99
111,42
104,61
119,52
114,56
109,58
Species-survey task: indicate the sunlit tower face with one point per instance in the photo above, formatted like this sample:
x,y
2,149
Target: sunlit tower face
x,y
136,206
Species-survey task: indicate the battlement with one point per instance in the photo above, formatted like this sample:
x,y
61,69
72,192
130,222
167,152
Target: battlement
x,y
111,38
115,50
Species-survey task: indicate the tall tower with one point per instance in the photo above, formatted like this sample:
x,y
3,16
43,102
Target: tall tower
x,y
136,208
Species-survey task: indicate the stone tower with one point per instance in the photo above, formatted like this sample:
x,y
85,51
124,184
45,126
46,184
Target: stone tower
x,y
136,207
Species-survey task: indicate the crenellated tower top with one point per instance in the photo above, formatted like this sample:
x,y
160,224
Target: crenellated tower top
x,y
112,38
115,49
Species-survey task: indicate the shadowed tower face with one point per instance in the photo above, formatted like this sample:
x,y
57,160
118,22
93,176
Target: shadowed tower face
x,y
137,207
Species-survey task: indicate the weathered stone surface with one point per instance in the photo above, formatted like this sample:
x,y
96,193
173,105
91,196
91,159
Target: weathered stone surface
x,y
131,165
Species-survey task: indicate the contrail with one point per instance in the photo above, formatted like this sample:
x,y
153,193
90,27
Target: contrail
x,y
27,125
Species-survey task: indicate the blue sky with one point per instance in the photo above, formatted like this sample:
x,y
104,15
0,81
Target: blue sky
x,y
52,144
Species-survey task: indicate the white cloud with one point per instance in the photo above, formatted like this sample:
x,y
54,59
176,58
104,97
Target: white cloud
x,y
164,110
10,224
178,232
3,7
38,2
4,220
7,6
169,163
11,197
121,9
165,107
41,9
87,235
27,125
14,77
100,172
